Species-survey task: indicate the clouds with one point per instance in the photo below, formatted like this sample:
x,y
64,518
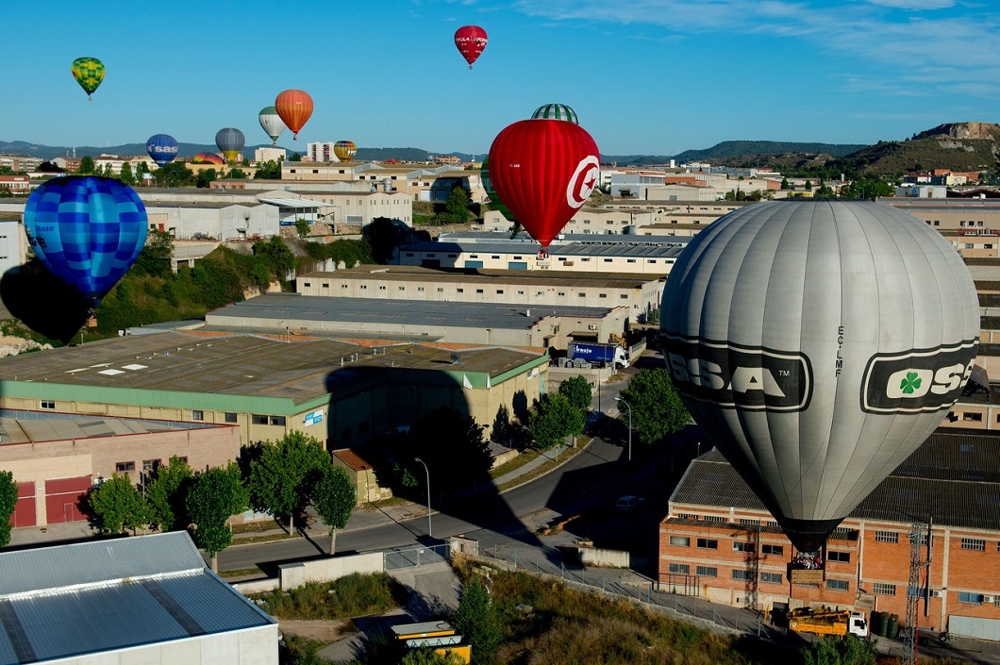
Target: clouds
x,y
888,38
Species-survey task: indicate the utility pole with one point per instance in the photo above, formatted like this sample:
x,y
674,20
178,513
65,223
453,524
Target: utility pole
x,y
914,591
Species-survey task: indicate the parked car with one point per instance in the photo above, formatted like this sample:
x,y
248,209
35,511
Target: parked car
x,y
629,501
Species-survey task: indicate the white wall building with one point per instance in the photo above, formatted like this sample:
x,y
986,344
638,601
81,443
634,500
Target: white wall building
x,y
261,155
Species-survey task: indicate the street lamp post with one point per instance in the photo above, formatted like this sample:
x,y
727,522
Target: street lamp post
x,y
427,471
619,399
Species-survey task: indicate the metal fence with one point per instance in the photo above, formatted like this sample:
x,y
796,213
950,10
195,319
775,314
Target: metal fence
x,y
419,555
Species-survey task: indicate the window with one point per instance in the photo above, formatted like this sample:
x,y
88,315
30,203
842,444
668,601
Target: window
x,y
740,574
602,295
150,465
499,292
708,544
607,260
680,541
230,417
838,585
47,404
886,537
772,549
771,578
258,419
749,520
582,294
970,597
460,290
561,294
122,467
706,571
381,287
834,555
972,417
678,568
714,518
197,415
883,589
278,420
742,547
479,290
307,284
974,544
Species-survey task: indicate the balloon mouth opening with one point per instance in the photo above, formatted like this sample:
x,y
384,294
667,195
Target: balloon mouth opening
x,y
808,535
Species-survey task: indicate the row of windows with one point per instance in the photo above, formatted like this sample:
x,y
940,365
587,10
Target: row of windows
x,y
972,544
738,546
147,465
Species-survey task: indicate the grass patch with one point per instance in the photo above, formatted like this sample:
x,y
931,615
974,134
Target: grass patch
x,y
541,470
514,464
254,527
241,572
348,597
390,502
296,650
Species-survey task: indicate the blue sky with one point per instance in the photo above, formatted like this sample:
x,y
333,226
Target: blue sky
x,y
644,76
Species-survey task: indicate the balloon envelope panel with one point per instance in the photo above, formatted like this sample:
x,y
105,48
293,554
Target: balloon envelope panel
x,y
819,343
556,112
86,230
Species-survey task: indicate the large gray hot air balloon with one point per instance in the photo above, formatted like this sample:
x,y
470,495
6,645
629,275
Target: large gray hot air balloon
x,y
818,344
230,142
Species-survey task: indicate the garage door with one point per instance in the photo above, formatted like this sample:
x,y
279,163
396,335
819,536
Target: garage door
x,y
24,511
979,628
62,499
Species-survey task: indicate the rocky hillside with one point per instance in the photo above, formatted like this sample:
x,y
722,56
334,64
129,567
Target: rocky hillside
x,y
965,146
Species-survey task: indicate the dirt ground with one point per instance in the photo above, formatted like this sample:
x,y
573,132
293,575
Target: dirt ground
x,y
321,631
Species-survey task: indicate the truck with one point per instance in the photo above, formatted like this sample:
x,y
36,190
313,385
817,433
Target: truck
x,y
603,354
828,622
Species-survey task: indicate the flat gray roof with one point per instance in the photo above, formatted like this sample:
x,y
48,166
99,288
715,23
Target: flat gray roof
x,y
634,247
105,595
497,277
18,426
279,307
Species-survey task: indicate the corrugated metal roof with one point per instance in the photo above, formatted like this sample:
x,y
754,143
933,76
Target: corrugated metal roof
x,y
954,475
112,595
295,203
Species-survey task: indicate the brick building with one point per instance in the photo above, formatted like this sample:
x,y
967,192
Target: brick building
x,y
720,543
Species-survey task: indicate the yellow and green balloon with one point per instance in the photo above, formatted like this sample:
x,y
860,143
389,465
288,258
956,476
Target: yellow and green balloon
x,y
88,72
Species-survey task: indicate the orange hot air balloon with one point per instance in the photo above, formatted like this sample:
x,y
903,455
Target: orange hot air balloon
x,y
294,108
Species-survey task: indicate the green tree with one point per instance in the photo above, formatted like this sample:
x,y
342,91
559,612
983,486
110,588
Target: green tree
x,y
140,173
87,165
846,650
214,497
302,227
334,500
236,174
553,419
784,184
457,205
117,505
577,391
108,171
268,171
428,656
125,175
657,410
166,495
8,502
205,177
501,431
174,174
275,255
296,157
155,257
283,478
477,619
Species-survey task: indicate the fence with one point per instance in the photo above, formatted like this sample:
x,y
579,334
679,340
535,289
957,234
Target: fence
x,y
419,555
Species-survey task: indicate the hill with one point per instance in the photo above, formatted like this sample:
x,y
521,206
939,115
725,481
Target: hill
x,y
964,146
733,153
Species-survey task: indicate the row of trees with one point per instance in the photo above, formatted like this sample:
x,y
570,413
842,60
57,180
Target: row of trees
x,y
279,478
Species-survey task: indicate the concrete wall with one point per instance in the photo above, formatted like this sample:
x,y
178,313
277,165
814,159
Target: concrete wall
x,y
254,646
294,575
594,556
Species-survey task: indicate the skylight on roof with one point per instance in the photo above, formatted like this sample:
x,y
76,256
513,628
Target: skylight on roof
x,y
111,372
134,367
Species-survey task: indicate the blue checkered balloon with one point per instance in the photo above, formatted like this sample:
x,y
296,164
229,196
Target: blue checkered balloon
x,y
87,230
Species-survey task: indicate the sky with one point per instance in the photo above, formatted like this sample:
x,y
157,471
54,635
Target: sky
x,y
652,77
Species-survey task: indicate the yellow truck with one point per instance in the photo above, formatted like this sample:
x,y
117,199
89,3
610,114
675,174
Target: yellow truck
x,y
828,622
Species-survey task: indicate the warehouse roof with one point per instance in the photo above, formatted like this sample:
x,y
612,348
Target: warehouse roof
x,y
17,426
292,367
498,277
87,598
954,475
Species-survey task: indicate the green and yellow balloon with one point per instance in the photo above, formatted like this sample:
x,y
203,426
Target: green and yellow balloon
x,y
88,72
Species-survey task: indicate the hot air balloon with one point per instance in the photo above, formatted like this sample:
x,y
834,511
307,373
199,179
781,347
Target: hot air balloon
x,y
470,40
162,148
818,344
230,142
495,202
271,122
544,170
88,72
345,150
87,230
556,112
294,107
207,158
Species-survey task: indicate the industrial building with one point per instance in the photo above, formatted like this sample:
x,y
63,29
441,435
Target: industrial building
x,y
147,599
718,541
638,293
485,323
340,392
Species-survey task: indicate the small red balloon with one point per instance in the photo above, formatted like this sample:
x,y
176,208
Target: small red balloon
x,y
470,40
544,171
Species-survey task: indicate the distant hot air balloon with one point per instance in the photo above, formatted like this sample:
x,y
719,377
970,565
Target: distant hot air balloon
x,y
271,122
88,72
544,171
495,202
230,142
162,148
87,230
294,107
345,150
470,40
556,112
818,344
207,158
